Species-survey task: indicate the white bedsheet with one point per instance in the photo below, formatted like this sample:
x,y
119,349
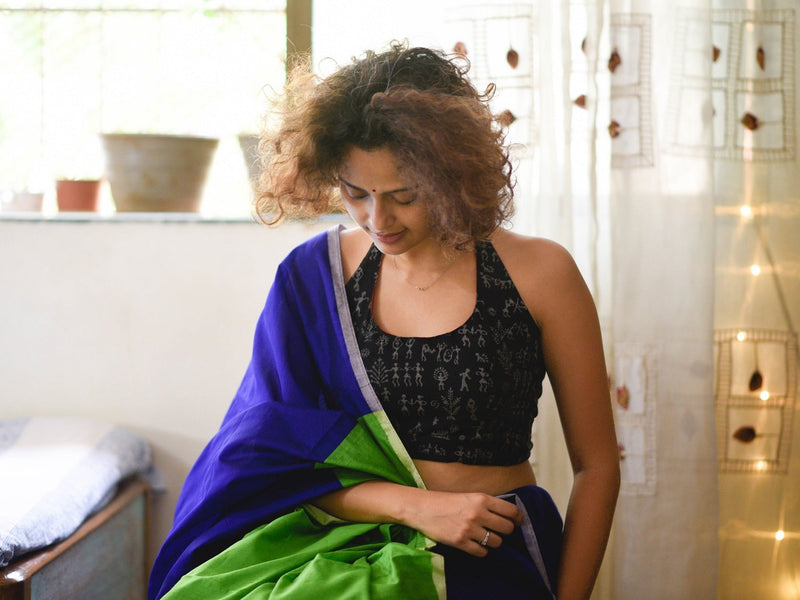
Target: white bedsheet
x,y
55,472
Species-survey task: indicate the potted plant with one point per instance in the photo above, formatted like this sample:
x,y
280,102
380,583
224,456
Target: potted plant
x,y
78,194
78,174
157,172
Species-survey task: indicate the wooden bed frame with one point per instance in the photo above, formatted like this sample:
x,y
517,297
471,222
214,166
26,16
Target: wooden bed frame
x,y
105,558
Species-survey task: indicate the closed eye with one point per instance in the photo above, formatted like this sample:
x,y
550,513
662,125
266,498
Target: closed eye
x,y
353,193
402,196
404,199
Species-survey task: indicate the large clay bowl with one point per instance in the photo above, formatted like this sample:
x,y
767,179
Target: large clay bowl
x,y
157,173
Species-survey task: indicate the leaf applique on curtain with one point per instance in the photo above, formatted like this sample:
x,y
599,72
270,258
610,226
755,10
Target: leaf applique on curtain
x,y
760,58
750,121
512,58
614,61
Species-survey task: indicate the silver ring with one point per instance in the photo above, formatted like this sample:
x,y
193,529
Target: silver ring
x,y
485,539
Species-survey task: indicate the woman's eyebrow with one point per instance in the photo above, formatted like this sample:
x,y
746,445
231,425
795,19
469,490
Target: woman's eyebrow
x,y
355,187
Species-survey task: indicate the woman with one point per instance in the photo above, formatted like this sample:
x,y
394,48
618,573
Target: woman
x,y
378,445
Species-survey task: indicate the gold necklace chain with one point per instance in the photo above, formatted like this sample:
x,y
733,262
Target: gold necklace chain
x,y
424,288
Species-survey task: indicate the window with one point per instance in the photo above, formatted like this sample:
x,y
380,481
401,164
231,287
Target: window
x,y
72,69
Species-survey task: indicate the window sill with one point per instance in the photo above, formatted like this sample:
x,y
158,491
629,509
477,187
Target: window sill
x,y
145,217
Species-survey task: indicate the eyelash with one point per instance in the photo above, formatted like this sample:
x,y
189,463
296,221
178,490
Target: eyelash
x,y
353,196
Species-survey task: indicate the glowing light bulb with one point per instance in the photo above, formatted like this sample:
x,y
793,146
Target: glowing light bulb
x,y
741,336
746,211
755,270
779,535
764,395
761,465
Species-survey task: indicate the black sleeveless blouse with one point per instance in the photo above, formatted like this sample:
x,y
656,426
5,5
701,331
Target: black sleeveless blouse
x,y
469,395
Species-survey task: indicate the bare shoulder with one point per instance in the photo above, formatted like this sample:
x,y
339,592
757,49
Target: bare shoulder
x,y
543,271
533,259
355,244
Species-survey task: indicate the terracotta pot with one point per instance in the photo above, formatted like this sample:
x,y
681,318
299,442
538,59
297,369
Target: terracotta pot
x,y
157,173
78,194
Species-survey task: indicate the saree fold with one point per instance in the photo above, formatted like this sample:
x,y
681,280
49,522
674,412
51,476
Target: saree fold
x,y
304,422
307,553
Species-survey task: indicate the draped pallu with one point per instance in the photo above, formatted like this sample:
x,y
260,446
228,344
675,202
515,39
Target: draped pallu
x,y
304,422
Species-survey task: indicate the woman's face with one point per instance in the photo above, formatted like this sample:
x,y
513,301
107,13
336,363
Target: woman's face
x,y
382,202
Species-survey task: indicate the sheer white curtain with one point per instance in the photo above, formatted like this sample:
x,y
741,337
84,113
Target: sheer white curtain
x,y
674,179
617,165
662,193
758,298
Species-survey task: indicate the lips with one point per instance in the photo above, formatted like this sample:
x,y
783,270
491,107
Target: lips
x,y
389,238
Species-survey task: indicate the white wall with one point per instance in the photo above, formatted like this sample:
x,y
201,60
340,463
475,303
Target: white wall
x,y
146,324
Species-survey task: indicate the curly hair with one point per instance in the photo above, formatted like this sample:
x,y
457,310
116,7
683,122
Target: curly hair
x,y
415,102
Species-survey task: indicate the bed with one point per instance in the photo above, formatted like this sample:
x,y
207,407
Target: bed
x,y
73,510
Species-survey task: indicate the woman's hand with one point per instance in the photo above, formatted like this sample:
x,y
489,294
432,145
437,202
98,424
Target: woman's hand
x,y
456,519
463,520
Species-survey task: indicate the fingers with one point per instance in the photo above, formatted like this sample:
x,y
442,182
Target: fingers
x,y
479,541
499,519
499,524
506,510
489,540
498,515
463,520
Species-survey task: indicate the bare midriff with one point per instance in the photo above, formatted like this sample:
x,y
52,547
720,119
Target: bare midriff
x,y
458,477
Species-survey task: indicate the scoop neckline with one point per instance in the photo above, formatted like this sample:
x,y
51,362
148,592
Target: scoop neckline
x,y
471,317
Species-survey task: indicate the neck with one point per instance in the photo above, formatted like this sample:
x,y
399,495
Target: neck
x,y
424,271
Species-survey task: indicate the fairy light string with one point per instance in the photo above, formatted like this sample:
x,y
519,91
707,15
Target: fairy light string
x,y
763,241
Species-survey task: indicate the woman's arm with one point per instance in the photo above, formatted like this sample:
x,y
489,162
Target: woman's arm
x,y
575,362
458,519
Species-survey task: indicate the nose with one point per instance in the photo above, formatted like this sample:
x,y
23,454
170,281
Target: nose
x,y
381,215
